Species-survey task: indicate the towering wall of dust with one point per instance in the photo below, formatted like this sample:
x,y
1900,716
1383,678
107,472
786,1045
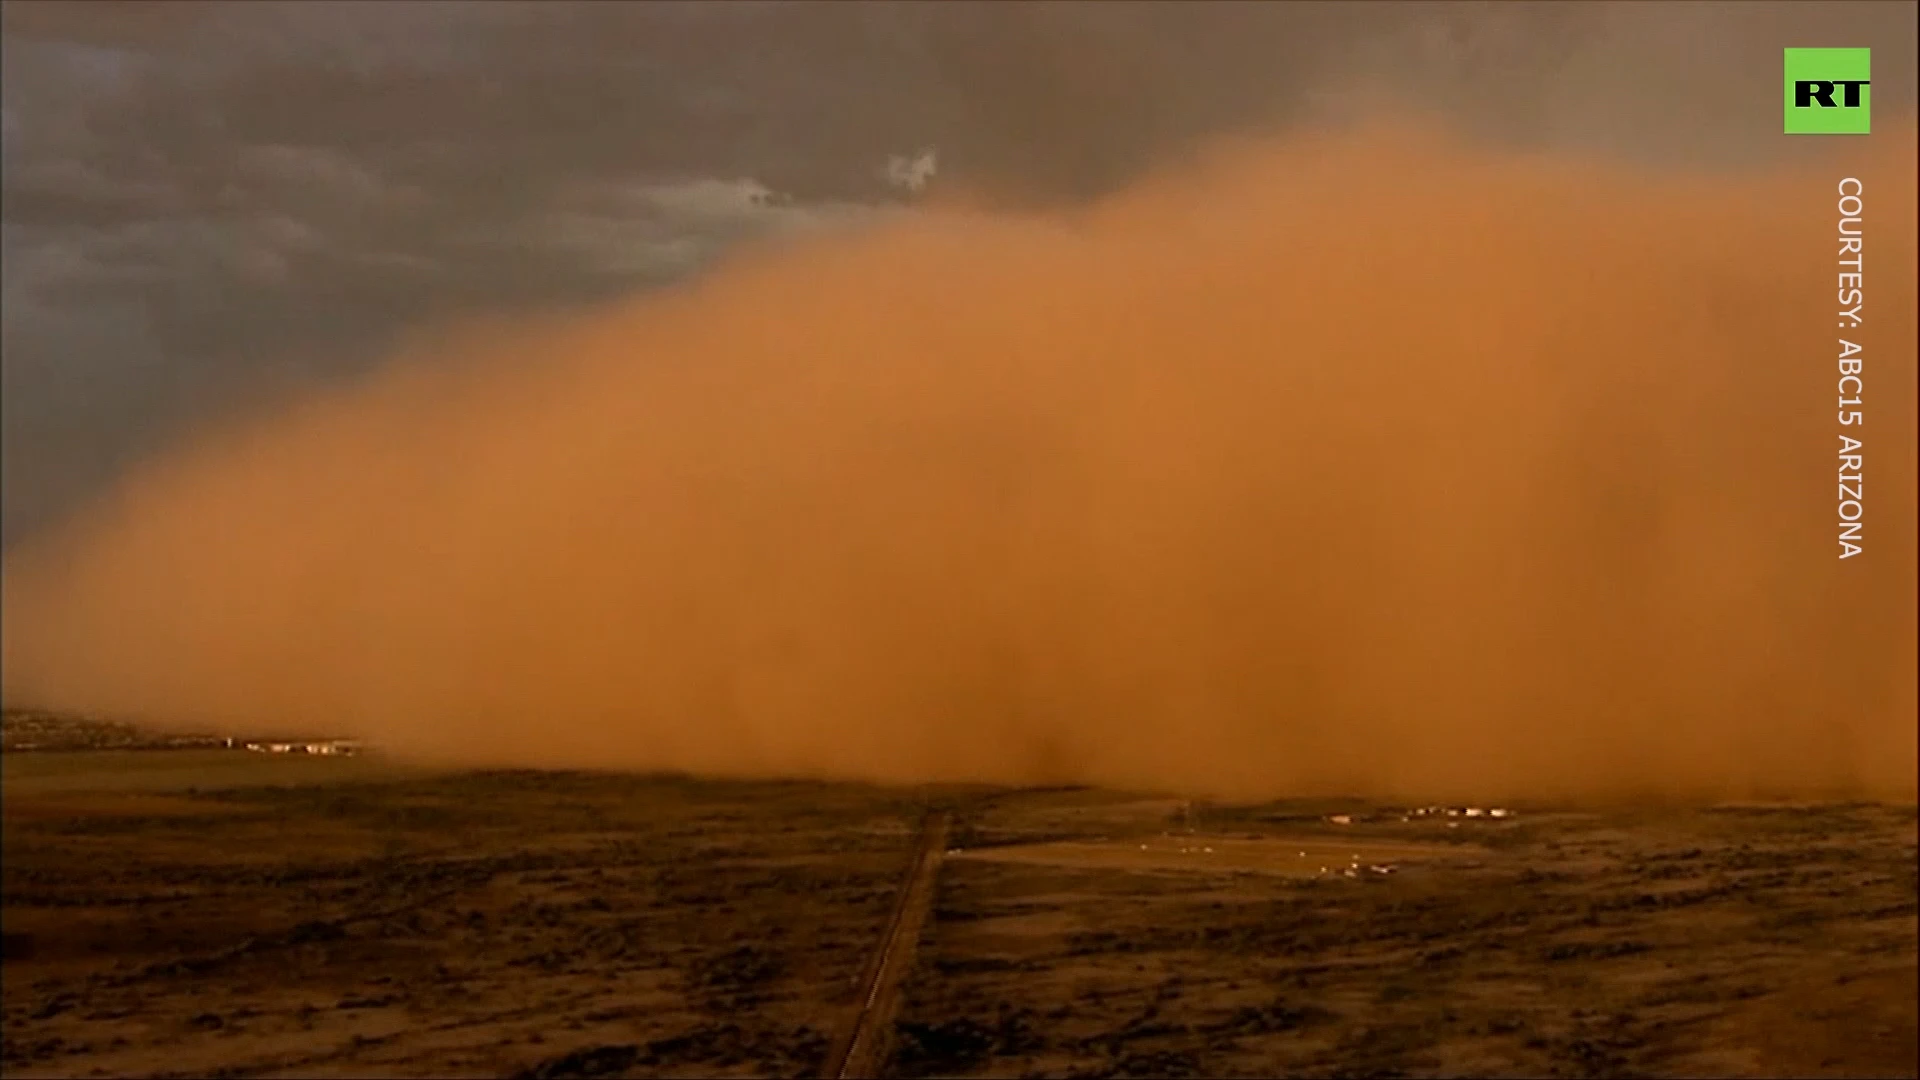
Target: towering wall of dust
x,y
1363,463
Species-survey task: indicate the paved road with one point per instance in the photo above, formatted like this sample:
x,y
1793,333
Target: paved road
x,y
863,1045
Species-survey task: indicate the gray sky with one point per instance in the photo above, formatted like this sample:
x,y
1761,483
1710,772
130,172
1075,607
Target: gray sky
x,y
209,202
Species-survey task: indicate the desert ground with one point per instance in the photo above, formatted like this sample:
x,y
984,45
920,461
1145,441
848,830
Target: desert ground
x,y
196,912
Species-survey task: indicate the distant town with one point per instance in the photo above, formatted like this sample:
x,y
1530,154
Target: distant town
x,y
325,747
27,731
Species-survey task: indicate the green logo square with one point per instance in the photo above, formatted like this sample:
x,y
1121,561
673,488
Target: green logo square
x,y
1827,91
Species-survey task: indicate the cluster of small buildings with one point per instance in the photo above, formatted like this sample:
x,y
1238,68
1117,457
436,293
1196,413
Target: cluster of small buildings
x,y
325,747
1435,812
1457,811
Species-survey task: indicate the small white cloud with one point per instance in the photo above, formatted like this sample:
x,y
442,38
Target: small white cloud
x,y
676,227
912,173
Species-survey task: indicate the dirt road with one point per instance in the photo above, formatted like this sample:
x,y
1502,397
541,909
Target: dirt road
x,y
548,925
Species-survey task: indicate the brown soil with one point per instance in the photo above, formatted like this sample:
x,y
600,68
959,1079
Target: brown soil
x,y
574,924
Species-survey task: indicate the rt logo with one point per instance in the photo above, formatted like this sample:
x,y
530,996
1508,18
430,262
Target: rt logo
x,y
1827,92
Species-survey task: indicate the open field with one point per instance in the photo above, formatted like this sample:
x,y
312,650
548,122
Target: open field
x,y
128,771
235,915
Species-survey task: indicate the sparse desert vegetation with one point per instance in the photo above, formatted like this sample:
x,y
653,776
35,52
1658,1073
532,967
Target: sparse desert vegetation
x,y
240,915
964,539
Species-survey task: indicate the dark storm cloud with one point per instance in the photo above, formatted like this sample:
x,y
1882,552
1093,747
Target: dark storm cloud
x,y
205,200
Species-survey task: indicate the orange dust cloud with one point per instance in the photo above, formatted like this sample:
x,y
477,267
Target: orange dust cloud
x,y
1372,462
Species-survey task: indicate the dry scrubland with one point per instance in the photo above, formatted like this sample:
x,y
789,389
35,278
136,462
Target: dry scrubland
x,y
201,913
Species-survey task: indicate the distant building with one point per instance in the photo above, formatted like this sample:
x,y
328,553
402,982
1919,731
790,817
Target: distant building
x,y
324,747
